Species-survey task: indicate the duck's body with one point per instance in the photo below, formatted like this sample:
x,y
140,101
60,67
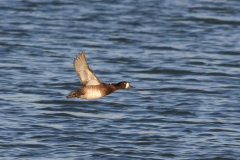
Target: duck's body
x,y
92,87
93,92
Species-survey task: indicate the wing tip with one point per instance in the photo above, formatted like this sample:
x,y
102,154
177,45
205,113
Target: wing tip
x,y
80,58
80,55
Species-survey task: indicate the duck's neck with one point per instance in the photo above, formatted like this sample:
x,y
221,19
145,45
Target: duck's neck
x,y
116,85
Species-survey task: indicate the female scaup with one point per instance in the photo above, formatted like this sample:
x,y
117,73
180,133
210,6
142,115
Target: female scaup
x,y
92,87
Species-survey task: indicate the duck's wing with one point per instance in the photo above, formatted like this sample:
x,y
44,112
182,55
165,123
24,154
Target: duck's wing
x,y
84,72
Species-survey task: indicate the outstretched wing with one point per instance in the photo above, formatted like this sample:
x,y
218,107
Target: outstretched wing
x,y
84,72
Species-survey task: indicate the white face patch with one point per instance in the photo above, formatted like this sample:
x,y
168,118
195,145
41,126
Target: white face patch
x,y
127,85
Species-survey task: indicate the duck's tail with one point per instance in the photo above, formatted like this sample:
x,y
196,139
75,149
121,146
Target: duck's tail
x,y
72,94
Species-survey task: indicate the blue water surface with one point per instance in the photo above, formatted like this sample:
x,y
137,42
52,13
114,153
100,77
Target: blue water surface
x,y
183,57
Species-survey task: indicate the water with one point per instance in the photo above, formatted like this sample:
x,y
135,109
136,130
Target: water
x,y
182,56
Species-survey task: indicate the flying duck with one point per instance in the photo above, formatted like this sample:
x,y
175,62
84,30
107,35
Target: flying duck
x,y
92,87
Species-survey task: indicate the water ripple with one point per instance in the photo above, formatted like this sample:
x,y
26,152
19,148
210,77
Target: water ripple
x,y
182,57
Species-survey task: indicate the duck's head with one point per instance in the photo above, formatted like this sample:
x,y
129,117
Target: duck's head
x,y
123,85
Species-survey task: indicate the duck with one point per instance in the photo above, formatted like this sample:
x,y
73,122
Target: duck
x,y
92,87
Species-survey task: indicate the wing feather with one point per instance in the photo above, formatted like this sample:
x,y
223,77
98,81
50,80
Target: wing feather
x,y
84,72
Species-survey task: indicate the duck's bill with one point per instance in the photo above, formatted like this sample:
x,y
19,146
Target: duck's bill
x,y
128,86
131,86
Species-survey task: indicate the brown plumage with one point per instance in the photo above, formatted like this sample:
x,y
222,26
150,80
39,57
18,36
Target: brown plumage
x,y
92,87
